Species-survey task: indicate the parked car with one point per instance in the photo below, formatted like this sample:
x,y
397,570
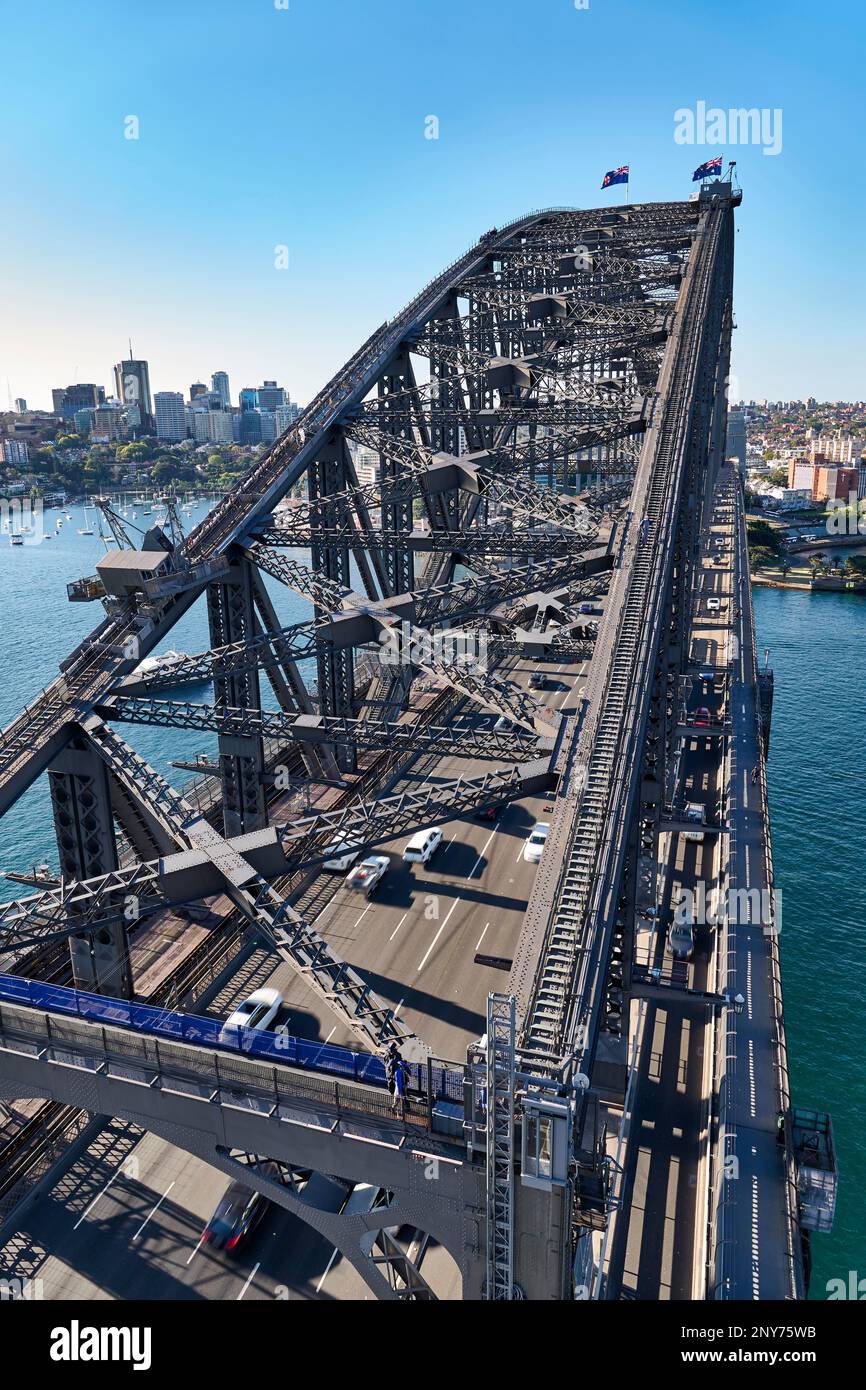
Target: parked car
x,y
422,846
680,941
342,857
366,876
259,1011
535,843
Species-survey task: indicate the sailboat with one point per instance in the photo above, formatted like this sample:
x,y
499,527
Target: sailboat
x,y
86,529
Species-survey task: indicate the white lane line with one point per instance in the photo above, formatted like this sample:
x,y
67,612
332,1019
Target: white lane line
x,y
152,1212
437,936
330,1035
398,926
520,854
482,936
363,915
483,852
249,1281
83,1215
327,1271
196,1250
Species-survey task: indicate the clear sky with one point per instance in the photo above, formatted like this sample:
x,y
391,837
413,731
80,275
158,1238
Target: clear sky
x,y
262,126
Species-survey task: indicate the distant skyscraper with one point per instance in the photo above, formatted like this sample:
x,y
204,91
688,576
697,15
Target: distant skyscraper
x,y
248,398
132,381
270,395
736,445
170,417
220,383
197,389
20,405
83,395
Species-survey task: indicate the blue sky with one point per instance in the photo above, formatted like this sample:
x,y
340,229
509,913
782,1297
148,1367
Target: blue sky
x,y
305,127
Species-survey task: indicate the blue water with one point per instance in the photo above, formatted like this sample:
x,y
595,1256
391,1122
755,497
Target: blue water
x,y
39,627
816,778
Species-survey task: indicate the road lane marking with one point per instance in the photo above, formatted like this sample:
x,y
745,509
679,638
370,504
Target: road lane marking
x,y
196,1250
363,915
152,1212
481,937
83,1215
327,1270
483,852
249,1281
437,936
398,926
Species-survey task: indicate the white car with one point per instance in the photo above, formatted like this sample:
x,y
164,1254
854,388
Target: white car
x,y
534,846
502,725
366,876
259,1011
342,857
713,605
422,846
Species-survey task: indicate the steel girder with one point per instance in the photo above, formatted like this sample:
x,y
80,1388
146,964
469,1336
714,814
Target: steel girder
x,y
462,737
272,853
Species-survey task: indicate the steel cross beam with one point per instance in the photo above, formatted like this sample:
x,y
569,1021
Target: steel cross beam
x,y
461,737
272,853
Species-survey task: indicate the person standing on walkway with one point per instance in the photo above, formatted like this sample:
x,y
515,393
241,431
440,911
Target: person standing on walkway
x,y
399,1097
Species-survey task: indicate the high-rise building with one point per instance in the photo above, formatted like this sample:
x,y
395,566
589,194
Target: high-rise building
x,y
20,405
248,398
270,395
170,417
83,395
197,389
15,451
219,426
220,384
250,427
736,445
132,381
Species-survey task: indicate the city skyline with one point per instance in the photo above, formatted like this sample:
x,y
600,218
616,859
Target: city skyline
x,y
277,249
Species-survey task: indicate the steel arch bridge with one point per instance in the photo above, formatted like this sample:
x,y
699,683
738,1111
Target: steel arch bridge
x,y
540,426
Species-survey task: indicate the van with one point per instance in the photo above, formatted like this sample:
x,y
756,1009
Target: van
x,y
422,846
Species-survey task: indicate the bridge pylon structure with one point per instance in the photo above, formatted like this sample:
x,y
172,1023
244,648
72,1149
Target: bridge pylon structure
x,y
546,418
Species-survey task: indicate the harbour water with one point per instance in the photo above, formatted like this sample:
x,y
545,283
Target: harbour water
x,y
816,777
39,627
817,648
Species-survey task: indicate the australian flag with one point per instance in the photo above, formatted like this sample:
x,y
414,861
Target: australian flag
x,y
708,170
616,176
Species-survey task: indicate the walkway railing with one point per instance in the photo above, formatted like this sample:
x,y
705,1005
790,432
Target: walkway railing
x,y
441,1081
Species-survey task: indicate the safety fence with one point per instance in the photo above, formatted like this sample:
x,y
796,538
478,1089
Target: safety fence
x,y
432,1080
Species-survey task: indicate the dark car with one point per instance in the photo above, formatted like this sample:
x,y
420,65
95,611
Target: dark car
x,y
237,1213
702,716
538,680
487,813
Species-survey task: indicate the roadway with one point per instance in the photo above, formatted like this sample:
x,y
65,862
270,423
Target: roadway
x,y
125,1219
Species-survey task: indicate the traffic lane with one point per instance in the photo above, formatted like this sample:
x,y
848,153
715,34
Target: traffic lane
x,y
415,939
